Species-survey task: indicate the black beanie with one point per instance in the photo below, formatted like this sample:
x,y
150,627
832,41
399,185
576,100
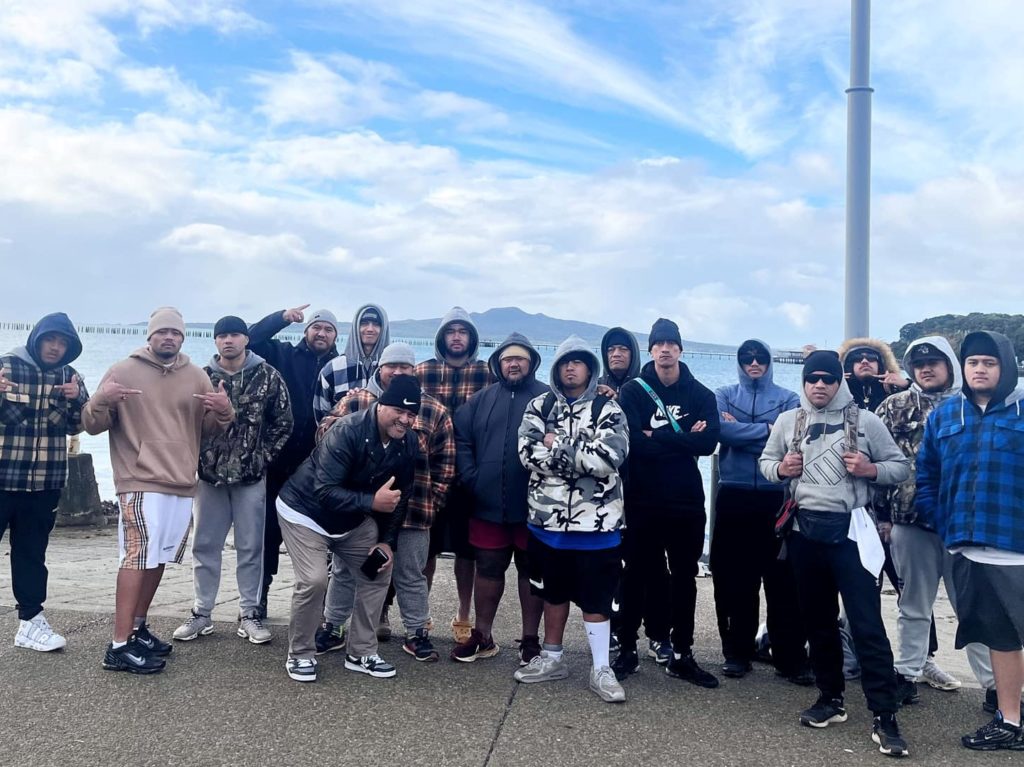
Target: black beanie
x,y
403,392
979,344
824,361
618,337
230,324
664,330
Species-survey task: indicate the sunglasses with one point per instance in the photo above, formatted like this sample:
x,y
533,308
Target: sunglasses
x,y
751,358
825,378
867,357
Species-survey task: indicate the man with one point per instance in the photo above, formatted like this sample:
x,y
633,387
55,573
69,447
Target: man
x,y
453,376
673,420
41,401
970,481
354,369
435,469
871,370
232,481
835,455
349,499
621,355
573,444
157,407
300,365
744,547
487,442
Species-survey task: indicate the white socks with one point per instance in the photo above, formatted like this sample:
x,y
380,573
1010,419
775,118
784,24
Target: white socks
x,y
599,634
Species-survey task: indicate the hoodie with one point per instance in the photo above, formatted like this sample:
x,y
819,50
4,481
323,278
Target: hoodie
x,y
616,381
487,440
756,404
904,415
970,466
354,368
454,385
35,418
825,484
869,394
574,484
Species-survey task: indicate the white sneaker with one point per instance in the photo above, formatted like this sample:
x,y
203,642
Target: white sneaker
x,y
607,687
37,634
251,627
196,625
935,677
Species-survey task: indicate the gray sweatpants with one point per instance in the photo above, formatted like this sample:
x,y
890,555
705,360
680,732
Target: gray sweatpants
x,y
410,583
216,510
921,560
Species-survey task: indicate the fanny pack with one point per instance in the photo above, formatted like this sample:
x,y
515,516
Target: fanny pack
x,y
824,526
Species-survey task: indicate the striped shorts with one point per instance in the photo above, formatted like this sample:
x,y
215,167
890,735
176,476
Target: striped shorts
x,y
152,529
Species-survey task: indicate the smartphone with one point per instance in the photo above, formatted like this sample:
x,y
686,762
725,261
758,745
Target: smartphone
x,y
374,563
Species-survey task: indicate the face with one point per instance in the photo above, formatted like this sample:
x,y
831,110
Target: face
x,y
754,362
619,357
320,336
666,354
981,373
820,387
231,346
573,375
931,375
456,339
52,348
865,365
392,369
369,332
166,343
394,421
514,369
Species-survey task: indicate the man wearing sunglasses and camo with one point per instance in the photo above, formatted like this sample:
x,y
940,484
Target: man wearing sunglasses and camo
x,y
872,371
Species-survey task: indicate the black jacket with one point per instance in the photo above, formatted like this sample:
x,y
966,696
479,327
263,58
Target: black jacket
x,y
300,367
486,441
335,486
663,472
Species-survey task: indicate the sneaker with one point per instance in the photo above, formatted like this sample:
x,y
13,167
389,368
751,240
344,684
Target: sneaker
x,y
419,646
685,667
886,733
991,704
329,638
613,643
374,665
301,669
933,676
626,662
736,669
251,627
37,634
606,685
906,691
384,626
154,645
824,712
529,648
196,625
133,658
474,648
660,651
543,668
997,735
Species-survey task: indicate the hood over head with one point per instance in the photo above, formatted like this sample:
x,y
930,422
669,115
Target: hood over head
x,y
457,314
889,363
985,342
574,345
621,336
769,373
58,322
934,346
353,347
514,339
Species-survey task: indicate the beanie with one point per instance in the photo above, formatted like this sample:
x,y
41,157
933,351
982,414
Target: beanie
x,y
618,337
824,361
165,318
230,324
403,392
664,330
976,344
515,350
324,315
398,353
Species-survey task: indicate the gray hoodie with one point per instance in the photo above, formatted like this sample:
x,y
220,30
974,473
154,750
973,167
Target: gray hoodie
x,y
353,347
457,314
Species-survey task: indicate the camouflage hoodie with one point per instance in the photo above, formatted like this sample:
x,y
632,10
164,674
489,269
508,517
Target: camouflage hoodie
x,y
262,425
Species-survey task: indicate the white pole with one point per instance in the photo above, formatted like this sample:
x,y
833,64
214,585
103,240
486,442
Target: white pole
x,y
858,172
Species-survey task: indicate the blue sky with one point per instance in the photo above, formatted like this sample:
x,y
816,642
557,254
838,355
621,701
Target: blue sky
x,y
592,159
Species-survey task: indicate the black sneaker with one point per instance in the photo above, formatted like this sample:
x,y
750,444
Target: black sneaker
x,y
613,643
328,638
133,658
736,669
685,667
374,665
886,733
154,645
906,691
802,677
991,704
419,646
626,662
825,710
997,735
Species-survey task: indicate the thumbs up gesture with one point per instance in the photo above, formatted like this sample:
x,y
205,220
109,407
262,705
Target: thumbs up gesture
x,y
70,390
386,499
216,401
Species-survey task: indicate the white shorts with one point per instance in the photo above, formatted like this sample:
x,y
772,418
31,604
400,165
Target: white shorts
x,y
152,529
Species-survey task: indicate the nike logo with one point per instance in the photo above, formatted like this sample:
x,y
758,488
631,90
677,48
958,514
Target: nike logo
x,y
658,418
407,402
537,584
136,659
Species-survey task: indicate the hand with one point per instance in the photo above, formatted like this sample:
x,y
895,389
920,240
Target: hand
x,y
699,427
70,390
894,379
607,391
5,384
294,315
216,401
859,465
387,550
549,440
885,531
386,499
792,465
112,391
728,417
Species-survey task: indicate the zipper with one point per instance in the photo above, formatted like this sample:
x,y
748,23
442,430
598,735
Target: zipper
x,y
753,419
504,483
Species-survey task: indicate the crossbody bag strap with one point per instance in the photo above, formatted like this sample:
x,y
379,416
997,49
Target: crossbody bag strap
x,y
799,432
661,405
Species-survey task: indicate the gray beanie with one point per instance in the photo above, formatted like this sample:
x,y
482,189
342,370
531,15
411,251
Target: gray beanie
x,y
323,315
398,353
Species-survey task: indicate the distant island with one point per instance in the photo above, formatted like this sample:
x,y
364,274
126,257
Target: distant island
x,y
955,326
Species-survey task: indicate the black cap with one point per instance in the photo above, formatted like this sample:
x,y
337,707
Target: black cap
x,y
230,324
403,392
664,330
923,352
823,361
370,315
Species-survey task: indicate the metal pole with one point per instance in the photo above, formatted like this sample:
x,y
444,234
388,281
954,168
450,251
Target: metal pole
x,y
858,172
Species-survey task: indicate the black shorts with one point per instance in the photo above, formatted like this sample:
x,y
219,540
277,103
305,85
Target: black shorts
x,y
990,604
587,578
450,529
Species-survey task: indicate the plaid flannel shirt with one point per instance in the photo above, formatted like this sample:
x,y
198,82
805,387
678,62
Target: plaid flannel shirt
x,y
34,426
435,462
453,386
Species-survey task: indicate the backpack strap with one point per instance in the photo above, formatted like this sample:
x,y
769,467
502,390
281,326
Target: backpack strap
x,y
596,406
547,405
851,421
799,432
659,404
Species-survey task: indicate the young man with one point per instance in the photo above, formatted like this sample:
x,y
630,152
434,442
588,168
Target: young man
x,y
844,453
41,401
871,370
970,481
157,407
232,481
353,369
573,450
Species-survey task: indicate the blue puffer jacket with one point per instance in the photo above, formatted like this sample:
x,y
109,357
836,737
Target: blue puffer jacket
x,y
754,403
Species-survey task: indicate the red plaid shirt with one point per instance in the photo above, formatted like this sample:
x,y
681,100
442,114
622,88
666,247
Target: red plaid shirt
x,y
453,386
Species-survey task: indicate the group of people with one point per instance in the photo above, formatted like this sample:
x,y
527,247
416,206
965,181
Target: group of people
x,y
367,465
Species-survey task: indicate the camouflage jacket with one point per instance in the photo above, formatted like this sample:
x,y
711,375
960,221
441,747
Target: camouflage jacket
x,y
904,415
262,425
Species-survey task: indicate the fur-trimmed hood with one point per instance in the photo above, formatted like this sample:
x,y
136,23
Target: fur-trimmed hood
x,y
892,365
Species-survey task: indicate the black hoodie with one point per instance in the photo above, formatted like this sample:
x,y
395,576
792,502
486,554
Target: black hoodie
x,y
609,379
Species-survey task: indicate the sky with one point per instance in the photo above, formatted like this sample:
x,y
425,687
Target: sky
x,y
597,160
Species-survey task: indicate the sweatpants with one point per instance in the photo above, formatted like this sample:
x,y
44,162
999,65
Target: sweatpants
x,y
407,578
745,554
217,508
308,552
921,560
650,537
30,517
823,572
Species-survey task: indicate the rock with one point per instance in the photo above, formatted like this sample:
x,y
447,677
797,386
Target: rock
x,y
80,501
